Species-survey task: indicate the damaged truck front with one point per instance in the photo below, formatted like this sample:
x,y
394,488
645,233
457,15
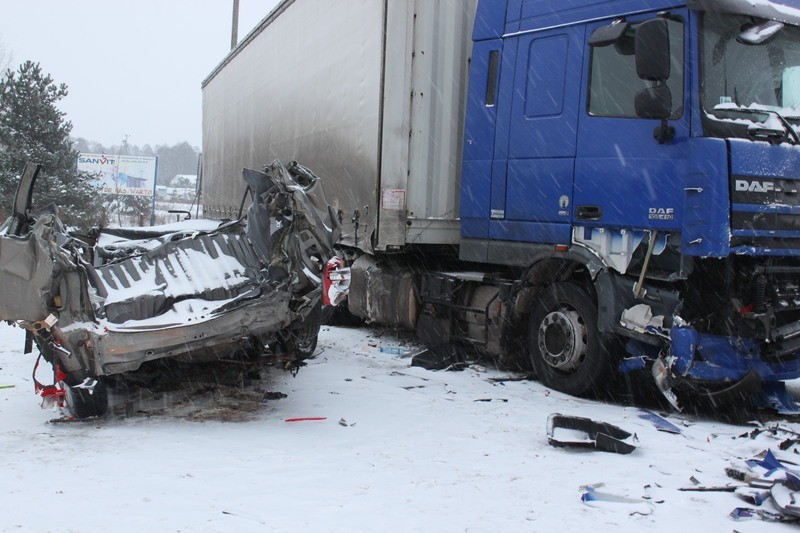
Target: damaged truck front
x,y
103,305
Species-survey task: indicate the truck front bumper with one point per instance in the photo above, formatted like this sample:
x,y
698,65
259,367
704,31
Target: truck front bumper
x,y
713,358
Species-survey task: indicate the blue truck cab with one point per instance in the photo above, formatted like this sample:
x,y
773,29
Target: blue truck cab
x,y
637,162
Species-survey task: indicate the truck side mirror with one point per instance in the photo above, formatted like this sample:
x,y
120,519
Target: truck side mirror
x,y
653,64
652,50
654,102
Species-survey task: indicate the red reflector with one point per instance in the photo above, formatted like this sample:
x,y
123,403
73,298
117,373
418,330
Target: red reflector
x,y
562,247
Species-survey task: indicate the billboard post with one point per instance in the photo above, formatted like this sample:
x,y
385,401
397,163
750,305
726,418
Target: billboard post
x,y
155,192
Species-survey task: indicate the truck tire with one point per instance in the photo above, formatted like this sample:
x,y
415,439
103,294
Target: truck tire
x,y
83,403
567,351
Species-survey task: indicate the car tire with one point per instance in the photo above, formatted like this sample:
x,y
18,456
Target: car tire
x,y
302,340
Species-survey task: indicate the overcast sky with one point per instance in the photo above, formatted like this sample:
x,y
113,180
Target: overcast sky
x,y
132,67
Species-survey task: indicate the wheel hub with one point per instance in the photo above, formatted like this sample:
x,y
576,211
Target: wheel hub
x,y
562,339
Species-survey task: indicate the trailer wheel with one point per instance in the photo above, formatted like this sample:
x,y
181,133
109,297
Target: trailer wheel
x,y
566,349
84,403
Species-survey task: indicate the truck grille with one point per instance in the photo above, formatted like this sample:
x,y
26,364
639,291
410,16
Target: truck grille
x,y
764,213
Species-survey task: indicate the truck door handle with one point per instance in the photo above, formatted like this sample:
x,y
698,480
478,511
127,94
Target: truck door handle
x,y
589,212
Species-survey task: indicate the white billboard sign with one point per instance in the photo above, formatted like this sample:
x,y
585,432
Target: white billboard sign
x,y
121,174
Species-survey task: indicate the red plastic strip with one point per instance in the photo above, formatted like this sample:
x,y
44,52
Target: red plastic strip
x,y
306,419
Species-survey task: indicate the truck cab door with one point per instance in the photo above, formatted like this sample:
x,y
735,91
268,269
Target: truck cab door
x,y
536,136
625,176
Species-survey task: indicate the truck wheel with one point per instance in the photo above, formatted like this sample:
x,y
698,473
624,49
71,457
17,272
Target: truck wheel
x,y
83,404
566,349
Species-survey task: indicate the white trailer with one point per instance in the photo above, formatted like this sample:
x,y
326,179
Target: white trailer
x,y
370,94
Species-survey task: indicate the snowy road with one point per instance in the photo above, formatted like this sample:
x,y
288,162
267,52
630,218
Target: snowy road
x,y
400,449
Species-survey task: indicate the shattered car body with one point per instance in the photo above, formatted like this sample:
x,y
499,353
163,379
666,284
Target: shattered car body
x,y
104,305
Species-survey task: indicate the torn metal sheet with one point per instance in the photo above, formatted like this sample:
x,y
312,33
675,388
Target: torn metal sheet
x,y
576,431
104,304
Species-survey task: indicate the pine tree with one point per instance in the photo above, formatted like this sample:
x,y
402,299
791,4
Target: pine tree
x,y
32,128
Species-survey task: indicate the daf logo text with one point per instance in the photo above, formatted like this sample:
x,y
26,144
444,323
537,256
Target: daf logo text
x,y
754,186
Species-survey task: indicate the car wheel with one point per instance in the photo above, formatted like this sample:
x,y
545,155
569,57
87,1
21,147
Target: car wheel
x,y
302,340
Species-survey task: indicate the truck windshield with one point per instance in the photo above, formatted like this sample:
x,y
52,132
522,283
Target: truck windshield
x,y
750,78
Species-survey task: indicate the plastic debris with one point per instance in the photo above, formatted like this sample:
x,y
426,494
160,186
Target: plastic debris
x,y
662,377
770,482
660,423
576,431
752,495
596,498
640,318
393,350
306,419
775,470
744,513
504,400
721,488
785,499
789,438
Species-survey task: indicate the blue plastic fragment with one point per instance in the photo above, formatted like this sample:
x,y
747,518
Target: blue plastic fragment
x,y
771,464
744,513
775,396
629,364
660,423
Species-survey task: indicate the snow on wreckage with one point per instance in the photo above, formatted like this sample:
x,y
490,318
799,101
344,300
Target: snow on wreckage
x,y
102,305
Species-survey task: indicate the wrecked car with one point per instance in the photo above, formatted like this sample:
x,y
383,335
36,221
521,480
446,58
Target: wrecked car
x,y
102,305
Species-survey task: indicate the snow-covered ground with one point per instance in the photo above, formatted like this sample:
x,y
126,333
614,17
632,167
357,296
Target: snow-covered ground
x,y
400,449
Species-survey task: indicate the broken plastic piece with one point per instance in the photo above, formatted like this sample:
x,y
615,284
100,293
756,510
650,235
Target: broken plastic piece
x,y
563,430
335,282
775,396
752,495
660,423
786,500
776,471
661,375
394,350
744,513
634,505
640,318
